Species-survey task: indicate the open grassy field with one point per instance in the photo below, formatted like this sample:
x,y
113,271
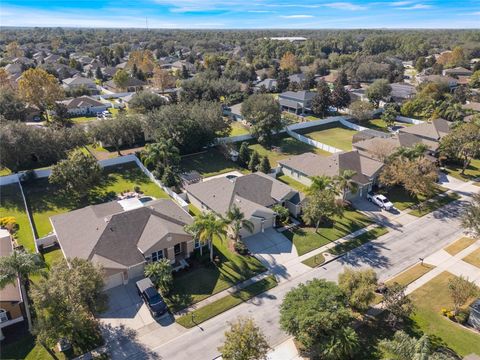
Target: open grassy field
x,y
208,163
306,239
284,147
459,245
473,258
11,204
199,283
333,134
429,300
44,200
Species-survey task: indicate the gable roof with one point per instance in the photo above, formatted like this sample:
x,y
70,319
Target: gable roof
x,y
434,130
115,238
311,164
303,95
82,101
253,192
78,80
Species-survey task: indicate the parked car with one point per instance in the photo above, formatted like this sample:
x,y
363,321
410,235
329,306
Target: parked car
x,y
152,298
380,200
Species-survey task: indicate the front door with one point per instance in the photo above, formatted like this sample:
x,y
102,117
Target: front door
x,y
177,249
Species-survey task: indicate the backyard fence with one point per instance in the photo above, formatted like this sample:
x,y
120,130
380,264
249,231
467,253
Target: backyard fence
x,y
352,126
312,142
409,120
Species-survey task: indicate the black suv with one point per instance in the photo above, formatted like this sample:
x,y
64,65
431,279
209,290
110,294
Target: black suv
x,y
152,298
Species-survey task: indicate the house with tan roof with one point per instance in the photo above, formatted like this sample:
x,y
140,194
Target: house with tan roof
x,y
84,105
255,194
379,148
303,167
122,239
433,131
12,310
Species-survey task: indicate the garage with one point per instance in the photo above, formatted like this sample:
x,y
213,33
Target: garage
x,y
113,280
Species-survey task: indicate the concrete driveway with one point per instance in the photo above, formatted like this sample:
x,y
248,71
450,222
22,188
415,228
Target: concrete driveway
x,y
393,218
128,326
272,248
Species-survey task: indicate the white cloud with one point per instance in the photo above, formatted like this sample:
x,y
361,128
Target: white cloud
x,y
416,7
259,11
345,6
296,16
401,3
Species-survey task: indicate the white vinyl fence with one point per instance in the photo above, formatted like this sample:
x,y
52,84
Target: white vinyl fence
x,y
409,120
312,142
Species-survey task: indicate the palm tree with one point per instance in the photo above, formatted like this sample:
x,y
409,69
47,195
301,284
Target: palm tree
x,y
205,227
20,264
345,182
161,154
161,274
343,344
236,221
319,183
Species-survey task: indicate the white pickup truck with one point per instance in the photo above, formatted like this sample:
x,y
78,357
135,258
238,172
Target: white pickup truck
x,y
380,200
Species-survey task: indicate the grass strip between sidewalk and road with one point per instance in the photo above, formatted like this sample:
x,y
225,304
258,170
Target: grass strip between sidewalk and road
x,y
459,245
358,241
411,274
226,303
434,204
314,261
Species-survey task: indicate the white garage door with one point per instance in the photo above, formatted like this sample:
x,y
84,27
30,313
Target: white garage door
x,y
113,280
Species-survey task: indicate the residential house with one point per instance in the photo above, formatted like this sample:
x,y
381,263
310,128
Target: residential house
x,y
458,71
254,194
132,85
53,58
270,85
84,105
79,83
379,148
303,167
122,238
178,65
297,78
14,69
450,81
235,112
434,130
109,71
402,92
298,102
12,310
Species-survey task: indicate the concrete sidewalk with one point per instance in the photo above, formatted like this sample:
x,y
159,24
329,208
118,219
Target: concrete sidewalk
x,y
285,351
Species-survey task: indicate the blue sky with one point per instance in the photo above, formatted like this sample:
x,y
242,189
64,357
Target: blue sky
x,y
240,14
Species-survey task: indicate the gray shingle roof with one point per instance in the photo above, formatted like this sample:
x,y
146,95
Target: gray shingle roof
x,y
106,231
434,130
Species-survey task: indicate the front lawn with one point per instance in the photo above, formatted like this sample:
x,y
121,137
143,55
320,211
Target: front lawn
x,y
411,274
283,147
459,245
226,303
11,204
297,185
44,200
83,119
208,279
306,239
333,134
472,172
402,200
473,258
208,163
434,204
238,129
358,240
429,300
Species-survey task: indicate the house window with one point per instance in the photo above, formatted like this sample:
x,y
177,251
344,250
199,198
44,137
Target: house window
x,y
3,315
157,255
